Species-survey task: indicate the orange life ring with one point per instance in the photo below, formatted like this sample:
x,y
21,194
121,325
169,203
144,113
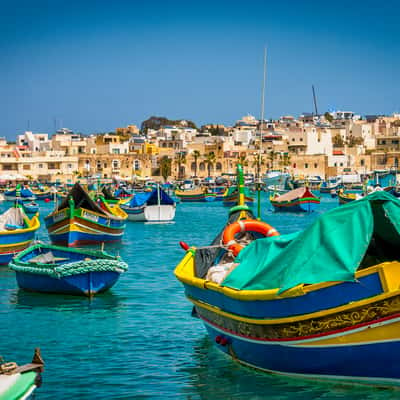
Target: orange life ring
x,y
247,225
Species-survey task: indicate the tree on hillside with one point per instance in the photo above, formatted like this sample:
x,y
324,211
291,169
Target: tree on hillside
x,y
158,122
328,117
337,141
272,155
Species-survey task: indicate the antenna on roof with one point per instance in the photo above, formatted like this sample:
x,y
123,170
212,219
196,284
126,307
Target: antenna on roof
x,y
315,100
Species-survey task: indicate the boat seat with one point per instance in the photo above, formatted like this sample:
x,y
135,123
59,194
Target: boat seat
x,y
47,258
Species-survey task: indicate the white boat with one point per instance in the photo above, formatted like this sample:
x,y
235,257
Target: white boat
x,y
156,206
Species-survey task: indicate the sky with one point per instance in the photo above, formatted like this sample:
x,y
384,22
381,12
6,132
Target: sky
x,y
92,66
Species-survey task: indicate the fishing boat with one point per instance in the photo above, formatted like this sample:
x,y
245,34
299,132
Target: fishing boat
x,y
322,303
14,194
346,197
155,206
300,199
17,232
54,269
231,197
198,195
79,220
31,207
19,382
328,186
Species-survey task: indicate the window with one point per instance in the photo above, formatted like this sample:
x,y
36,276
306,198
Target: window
x,y
301,139
136,164
362,162
305,165
341,164
27,166
315,165
218,166
115,164
40,165
115,151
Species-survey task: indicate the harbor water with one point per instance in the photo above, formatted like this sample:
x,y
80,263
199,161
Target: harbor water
x,y
139,341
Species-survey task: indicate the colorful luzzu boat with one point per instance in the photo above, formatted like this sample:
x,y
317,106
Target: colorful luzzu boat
x,y
17,232
345,198
231,197
322,303
54,269
19,382
195,196
300,199
78,220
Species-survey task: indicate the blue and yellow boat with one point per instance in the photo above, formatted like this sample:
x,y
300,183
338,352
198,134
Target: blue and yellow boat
x,y
17,232
322,303
79,220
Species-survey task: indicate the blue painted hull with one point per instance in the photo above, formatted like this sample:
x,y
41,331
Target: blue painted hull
x,y
86,284
299,207
320,300
377,362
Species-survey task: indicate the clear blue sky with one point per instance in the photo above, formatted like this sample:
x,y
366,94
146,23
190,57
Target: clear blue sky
x,y
96,65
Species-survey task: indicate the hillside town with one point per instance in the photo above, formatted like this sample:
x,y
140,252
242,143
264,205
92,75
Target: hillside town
x,y
328,145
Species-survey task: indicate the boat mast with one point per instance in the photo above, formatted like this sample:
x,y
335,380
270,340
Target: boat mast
x,y
260,143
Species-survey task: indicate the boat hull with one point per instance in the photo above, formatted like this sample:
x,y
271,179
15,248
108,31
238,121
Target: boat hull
x,y
370,362
86,284
298,205
83,228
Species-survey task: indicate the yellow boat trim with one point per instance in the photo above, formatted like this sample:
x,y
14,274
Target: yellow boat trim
x,y
381,332
34,224
185,272
12,246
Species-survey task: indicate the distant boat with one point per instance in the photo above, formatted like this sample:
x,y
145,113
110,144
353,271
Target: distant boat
x,y
156,206
231,197
31,207
198,195
300,199
17,231
55,269
24,193
79,220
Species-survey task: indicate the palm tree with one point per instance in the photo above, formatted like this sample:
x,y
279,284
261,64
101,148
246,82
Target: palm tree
x,y
285,160
180,158
272,157
210,161
242,160
165,167
258,161
196,155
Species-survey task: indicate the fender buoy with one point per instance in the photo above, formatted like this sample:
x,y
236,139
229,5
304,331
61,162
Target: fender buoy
x,y
247,225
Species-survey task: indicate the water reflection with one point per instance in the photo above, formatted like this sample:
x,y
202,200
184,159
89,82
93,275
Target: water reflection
x,y
216,376
27,300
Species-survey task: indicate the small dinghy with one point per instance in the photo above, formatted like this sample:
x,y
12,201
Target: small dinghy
x,y
55,269
31,207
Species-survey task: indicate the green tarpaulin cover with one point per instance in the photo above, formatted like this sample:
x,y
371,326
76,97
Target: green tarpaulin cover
x,y
331,249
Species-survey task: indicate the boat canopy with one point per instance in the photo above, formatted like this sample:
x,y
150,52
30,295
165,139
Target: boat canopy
x,y
357,235
294,194
82,200
150,199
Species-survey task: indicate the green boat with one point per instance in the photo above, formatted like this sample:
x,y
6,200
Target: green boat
x,y
19,382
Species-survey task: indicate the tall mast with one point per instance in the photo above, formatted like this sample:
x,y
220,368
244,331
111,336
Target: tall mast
x,y
260,143
315,101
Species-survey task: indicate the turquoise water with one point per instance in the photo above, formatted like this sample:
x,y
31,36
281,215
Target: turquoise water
x,y
138,341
